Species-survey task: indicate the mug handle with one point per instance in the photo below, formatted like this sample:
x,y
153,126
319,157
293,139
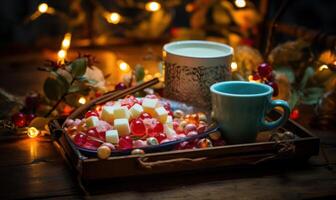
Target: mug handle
x,y
275,124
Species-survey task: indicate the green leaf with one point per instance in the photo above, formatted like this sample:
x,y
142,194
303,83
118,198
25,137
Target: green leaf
x,y
62,81
288,72
312,95
139,73
78,67
309,72
294,99
52,88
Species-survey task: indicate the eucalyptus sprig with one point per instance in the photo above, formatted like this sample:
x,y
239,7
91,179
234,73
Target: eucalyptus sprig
x,y
65,79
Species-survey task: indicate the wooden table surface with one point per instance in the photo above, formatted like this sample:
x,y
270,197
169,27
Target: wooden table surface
x,y
31,168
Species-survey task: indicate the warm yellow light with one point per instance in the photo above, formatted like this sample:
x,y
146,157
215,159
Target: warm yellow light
x,y
66,41
157,75
113,18
189,7
153,6
61,54
123,66
82,100
32,132
234,66
240,3
323,67
43,8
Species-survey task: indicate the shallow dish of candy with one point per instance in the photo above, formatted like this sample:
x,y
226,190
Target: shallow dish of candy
x,y
141,125
113,136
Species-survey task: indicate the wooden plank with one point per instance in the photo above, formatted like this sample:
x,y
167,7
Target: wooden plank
x,y
268,182
45,179
26,151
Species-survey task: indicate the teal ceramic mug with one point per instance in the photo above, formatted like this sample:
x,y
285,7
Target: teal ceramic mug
x,y
240,107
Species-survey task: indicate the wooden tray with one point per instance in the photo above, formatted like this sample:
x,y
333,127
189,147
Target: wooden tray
x,y
302,147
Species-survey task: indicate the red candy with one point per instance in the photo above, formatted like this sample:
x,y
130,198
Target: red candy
x,y
91,144
145,115
91,113
158,127
80,139
160,137
138,128
125,142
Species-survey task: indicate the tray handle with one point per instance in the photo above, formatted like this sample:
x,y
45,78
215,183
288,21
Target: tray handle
x,y
143,161
55,129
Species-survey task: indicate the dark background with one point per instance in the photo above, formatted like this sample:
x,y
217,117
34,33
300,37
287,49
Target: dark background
x,y
318,15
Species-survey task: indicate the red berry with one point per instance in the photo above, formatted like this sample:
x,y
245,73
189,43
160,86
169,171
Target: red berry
x,y
255,76
264,69
275,87
145,115
138,128
19,120
91,113
125,143
32,100
120,86
160,137
270,77
295,114
30,117
80,139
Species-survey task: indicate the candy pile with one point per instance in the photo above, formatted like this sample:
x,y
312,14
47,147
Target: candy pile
x,y
133,123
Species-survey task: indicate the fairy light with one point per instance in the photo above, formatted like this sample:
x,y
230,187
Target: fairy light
x,y
113,18
82,100
32,132
153,6
190,7
61,54
323,67
240,3
66,41
234,66
123,66
43,8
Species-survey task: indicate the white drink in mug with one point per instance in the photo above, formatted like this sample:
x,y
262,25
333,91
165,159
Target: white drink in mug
x,y
192,66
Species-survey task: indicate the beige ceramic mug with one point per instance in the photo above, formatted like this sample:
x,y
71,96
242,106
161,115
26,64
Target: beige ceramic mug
x,y
192,66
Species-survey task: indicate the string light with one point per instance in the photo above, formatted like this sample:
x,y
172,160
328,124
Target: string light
x,y
240,3
234,66
43,8
61,54
152,6
113,18
323,67
123,66
82,100
190,7
66,41
32,132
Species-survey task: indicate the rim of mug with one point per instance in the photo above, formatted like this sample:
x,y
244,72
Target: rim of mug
x,y
269,89
169,45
